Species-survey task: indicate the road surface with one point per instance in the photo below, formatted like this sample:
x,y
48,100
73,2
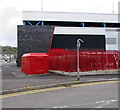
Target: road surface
x,y
93,95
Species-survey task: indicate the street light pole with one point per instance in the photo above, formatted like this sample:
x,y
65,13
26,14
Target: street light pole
x,y
78,58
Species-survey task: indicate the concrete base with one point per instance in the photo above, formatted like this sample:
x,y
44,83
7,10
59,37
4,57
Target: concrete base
x,y
86,73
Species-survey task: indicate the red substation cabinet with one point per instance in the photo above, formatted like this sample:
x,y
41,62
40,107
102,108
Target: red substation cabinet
x,y
35,63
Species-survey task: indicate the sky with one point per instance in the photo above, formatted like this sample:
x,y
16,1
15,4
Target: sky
x,y
11,12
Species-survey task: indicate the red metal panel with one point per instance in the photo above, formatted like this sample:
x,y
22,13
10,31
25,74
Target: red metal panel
x,y
35,63
66,60
25,63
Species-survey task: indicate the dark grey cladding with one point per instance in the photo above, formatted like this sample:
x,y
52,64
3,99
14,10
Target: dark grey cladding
x,y
33,39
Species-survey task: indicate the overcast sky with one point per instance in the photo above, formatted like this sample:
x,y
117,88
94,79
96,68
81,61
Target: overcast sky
x,y
11,12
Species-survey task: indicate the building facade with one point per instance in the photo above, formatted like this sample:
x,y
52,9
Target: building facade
x,y
44,30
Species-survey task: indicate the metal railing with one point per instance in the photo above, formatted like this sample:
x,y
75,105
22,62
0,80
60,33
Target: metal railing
x,y
66,60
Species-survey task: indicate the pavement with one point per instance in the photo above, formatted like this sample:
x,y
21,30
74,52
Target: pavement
x,y
13,80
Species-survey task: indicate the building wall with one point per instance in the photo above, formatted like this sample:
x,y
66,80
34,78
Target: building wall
x,y
90,42
112,41
33,39
66,37
119,40
37,39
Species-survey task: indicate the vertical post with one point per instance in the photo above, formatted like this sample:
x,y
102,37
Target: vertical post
x,y
24,22
42,23
78,65
104,25
78,58
83,24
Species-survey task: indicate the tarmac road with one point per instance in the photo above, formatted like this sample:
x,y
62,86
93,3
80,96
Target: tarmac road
x,y
7,68
94,95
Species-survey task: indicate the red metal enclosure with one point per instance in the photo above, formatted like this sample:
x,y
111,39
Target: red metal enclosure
x,y
66,60
35,63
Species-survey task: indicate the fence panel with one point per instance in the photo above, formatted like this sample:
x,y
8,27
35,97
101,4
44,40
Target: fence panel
x,y
66,60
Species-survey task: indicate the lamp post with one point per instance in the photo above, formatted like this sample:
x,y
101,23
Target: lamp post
x,y
78,57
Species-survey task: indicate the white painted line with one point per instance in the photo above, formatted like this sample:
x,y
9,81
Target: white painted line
x,y
104,103
101,104
61,107
100,101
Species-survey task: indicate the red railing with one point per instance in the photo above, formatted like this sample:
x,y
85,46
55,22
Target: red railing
x,y
66,60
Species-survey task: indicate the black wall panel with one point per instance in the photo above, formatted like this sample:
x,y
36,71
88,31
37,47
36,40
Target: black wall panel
x,y
91,42
33,39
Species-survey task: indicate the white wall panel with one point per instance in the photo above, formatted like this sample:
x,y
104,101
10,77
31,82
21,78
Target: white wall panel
x,y
62,16
112,33
79,30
